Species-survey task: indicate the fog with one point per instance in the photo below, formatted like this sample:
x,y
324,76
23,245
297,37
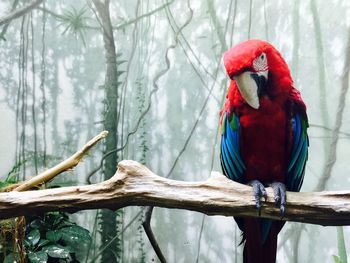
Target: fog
x,y
166,94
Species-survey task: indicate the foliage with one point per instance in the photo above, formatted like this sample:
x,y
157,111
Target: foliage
x,y
48,237
11,177
53,236
74,22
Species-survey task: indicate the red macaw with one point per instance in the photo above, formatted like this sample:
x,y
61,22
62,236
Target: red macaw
x,y
264,138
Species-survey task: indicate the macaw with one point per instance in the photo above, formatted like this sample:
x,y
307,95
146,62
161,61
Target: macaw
x,y
264,138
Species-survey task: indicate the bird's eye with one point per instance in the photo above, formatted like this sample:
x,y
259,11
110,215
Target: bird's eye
x,y
260,63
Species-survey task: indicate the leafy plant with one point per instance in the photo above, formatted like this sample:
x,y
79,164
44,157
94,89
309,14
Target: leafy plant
x,y
52,237
12,176
75,22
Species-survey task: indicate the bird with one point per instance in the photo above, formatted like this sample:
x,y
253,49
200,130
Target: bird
x,y
264,141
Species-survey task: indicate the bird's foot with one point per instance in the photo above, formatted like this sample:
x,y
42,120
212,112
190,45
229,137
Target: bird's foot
x,y
279,190
258,191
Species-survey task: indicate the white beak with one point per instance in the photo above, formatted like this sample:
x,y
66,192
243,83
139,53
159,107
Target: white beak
x,y
248,89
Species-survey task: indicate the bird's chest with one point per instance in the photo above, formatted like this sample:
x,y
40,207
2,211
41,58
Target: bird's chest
x,y
264,141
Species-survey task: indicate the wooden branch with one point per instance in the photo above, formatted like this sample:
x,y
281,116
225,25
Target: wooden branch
x,y
19,12
135,185
67,164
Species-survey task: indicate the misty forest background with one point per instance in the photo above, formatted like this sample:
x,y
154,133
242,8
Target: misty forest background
x,y
151,73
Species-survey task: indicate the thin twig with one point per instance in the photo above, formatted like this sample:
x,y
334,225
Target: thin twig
x,y
61,167
4,29
328,129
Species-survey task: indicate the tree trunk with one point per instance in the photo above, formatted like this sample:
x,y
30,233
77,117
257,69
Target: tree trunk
x,y
108,219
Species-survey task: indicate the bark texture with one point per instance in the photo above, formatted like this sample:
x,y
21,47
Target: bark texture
x,y
135,185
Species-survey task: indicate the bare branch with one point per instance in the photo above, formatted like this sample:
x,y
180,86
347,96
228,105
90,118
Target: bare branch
x,y
4,29
135,185
19,12
67,164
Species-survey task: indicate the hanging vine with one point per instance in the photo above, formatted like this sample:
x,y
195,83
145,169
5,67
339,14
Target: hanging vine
x,y
42,87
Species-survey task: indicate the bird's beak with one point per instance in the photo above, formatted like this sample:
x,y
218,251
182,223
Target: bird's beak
x,y
250,85
248,89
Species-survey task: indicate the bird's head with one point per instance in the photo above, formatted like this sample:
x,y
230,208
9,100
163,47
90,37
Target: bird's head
x,y
257,69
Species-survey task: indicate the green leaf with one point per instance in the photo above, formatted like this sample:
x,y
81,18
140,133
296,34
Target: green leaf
x,y
61,222
54,235
27,243
37,223
38,257
56,251
74,235
43,242
33,237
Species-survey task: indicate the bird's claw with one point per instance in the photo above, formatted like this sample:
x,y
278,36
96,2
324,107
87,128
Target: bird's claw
x,y
279,190
258,191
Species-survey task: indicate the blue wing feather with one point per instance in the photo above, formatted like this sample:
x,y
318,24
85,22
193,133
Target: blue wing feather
x,y
227,160
299,155
231,160
233,139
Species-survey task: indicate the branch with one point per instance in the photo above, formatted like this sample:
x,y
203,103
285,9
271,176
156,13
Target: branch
x,y
19,12
67,164
135,185
4,29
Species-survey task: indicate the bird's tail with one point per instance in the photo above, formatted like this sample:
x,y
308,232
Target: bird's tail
x,y
257,248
